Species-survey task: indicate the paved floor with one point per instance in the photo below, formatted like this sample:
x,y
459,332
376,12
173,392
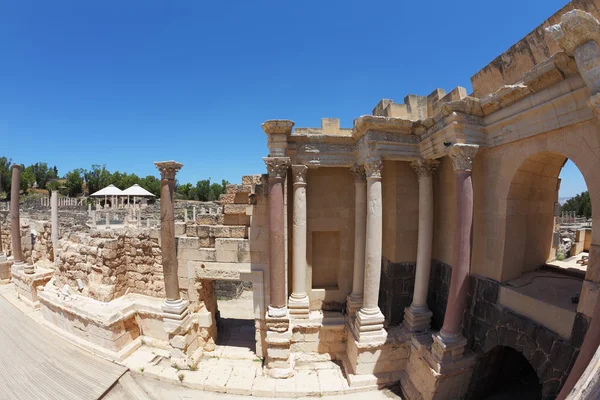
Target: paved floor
x,y
37,364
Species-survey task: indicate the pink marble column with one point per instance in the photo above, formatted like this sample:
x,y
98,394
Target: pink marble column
x,y
175,307
450,343
277,168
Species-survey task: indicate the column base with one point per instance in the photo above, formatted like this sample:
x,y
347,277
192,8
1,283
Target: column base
x,y
353,304
448,348
417,319
277,312
175,315
368,326
299,307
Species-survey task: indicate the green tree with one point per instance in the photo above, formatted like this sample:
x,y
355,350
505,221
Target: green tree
x,y
27,177
203,189
5,175
74,182
580,204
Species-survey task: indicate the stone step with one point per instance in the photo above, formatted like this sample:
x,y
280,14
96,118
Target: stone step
x,y
234,198
236,219
217,231
209,219
234,189
131,388
252,179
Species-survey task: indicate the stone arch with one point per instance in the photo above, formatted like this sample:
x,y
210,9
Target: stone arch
x,y
580,144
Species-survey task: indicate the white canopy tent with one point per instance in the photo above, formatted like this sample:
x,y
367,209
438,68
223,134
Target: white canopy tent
x,y
110,190
136,191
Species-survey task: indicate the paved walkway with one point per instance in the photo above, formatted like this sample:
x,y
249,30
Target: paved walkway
x,y
37,364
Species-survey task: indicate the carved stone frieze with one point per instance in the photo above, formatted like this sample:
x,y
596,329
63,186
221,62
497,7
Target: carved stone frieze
x,y
462,155
168,169
358,173
277,166
299,173
373,167
424,168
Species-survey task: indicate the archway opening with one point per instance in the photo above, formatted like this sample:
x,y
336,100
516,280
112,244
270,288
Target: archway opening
x,y
504,373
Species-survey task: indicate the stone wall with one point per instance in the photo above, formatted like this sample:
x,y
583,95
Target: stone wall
x,y
487,325
444,211
396,289
111,263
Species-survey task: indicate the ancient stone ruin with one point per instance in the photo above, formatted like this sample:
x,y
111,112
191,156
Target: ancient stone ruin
x,y
413,249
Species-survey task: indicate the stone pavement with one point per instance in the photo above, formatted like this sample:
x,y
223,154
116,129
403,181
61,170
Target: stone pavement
x,y
37,364
243,376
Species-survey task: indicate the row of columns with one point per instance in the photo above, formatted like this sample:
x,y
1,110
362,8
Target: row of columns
x,y
362,303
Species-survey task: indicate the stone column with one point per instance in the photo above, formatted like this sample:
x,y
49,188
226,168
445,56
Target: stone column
x,y
15,221
194,214
54,216
449,344
417,317
355,300
277,168
299,304
369,319
174,307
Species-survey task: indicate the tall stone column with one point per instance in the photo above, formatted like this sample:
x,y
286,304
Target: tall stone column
x,y
277,168
54,217
15,221
369,319
449,343
299,304
175,308
355,300
417,317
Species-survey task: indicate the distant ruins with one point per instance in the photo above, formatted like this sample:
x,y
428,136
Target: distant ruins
x,y
412,248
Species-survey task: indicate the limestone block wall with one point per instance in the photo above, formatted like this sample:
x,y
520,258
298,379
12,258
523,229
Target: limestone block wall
x,y
444,208
26,238
330,236
41,238
111,263
400,188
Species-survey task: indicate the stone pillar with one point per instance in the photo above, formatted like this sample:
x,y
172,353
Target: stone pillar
x,y
194,214
139,221
417,317
107,220
277,168
185,215
175,308
299,304
449,344
15,221
54,216
369,319
355,300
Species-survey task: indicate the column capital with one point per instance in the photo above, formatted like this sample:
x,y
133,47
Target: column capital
x,y
424,167
278,126
576,27
462,155
299,173
358,173
16,166
277,166
373,167
168,169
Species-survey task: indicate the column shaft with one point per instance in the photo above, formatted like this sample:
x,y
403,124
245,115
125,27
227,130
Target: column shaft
x,y
459,280
15,222
355,300
298,303
277,167
369,320
54,216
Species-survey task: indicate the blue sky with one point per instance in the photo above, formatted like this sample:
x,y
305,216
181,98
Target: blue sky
x,y
127,83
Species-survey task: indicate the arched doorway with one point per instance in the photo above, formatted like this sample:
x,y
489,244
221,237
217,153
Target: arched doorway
x,y
504,373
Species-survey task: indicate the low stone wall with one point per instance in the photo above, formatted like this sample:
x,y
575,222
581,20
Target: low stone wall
x,y
111,263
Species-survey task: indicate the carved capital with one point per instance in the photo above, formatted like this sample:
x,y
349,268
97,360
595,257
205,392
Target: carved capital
x,y
358,173
462,155
576,28
424,168
299,173
277,166
168,169
278,126
373,167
